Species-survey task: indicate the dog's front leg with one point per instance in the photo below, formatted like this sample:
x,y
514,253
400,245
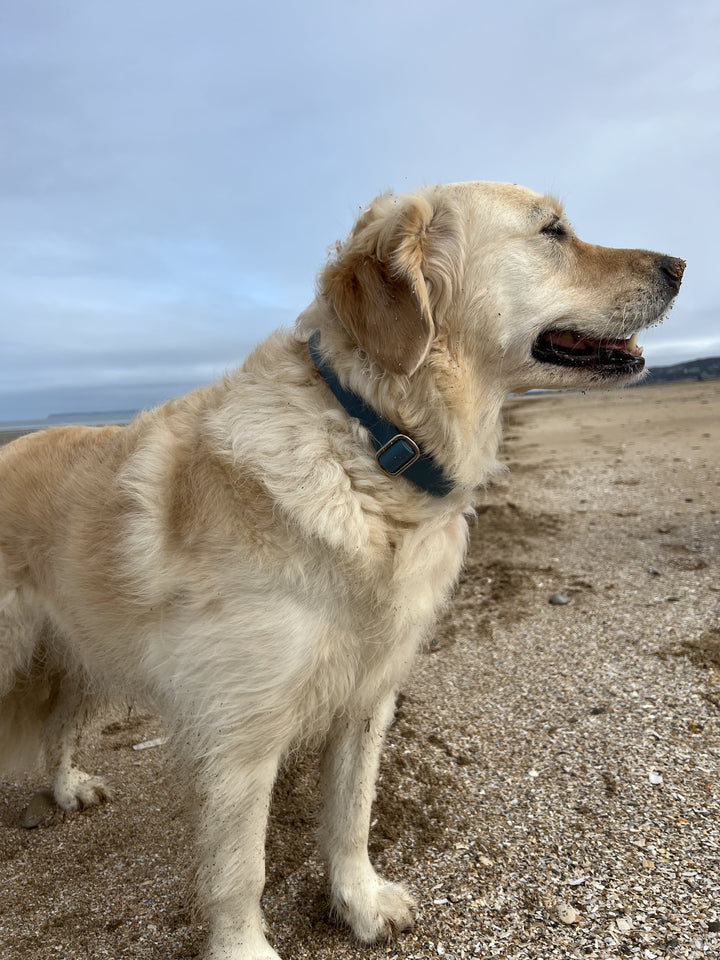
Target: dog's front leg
x,y
235,802
373,908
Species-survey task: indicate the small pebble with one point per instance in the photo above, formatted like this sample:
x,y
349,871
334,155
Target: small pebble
x,y
559,599
566,913
40,810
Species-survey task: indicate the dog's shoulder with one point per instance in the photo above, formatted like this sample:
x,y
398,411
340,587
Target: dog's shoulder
x,y
279,425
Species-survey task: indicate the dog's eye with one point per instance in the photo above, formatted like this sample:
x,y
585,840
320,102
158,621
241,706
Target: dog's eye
x,y
555,229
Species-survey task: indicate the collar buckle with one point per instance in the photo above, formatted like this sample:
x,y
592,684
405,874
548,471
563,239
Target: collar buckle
x,y
397,455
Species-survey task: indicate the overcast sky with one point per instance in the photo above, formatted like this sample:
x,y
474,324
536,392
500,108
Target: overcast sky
x,y
172,174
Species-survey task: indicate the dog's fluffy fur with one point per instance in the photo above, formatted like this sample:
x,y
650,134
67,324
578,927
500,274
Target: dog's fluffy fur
x,y
238,557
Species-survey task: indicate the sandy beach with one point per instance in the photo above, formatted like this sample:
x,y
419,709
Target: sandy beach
x,y
550,786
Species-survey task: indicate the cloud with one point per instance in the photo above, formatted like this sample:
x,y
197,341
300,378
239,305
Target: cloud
x,y
172,175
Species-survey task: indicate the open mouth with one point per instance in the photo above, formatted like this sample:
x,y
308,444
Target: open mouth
x,y
565,348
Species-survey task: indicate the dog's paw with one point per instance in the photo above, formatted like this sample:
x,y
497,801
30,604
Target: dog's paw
x,y
378,912
75,790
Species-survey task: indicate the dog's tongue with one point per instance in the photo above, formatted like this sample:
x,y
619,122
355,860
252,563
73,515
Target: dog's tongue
x,y
574,341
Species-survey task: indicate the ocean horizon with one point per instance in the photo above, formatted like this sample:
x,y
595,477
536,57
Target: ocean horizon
x,y
99,418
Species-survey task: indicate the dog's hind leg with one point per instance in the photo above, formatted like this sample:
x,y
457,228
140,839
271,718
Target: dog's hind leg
x,y
73,789
373,908
25,689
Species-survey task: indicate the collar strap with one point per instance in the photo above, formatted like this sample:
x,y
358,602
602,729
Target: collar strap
x,y
397,454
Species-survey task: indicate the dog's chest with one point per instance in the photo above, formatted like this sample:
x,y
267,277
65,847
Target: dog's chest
x,y
367,644
426,564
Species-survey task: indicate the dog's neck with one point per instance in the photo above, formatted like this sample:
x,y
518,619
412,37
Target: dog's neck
x,y
451,413
397,453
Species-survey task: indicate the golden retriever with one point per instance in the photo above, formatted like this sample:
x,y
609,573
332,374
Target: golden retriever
x,y
261,558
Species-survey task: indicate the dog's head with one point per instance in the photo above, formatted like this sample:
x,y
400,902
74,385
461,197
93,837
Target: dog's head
x,y
492,276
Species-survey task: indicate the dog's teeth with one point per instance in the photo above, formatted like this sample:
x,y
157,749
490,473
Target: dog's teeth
x,y
632,347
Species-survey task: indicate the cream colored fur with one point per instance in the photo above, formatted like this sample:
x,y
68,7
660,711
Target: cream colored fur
x,y
238,558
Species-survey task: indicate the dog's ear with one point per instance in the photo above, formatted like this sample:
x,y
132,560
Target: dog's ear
x,y
376,284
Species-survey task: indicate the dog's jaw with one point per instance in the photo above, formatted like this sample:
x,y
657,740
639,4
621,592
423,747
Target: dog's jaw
x,y
566,348
605,352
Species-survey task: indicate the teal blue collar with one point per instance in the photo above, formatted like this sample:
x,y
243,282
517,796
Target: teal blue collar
x,y
397,454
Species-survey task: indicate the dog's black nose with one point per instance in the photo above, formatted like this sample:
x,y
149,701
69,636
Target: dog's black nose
x,y
672,270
